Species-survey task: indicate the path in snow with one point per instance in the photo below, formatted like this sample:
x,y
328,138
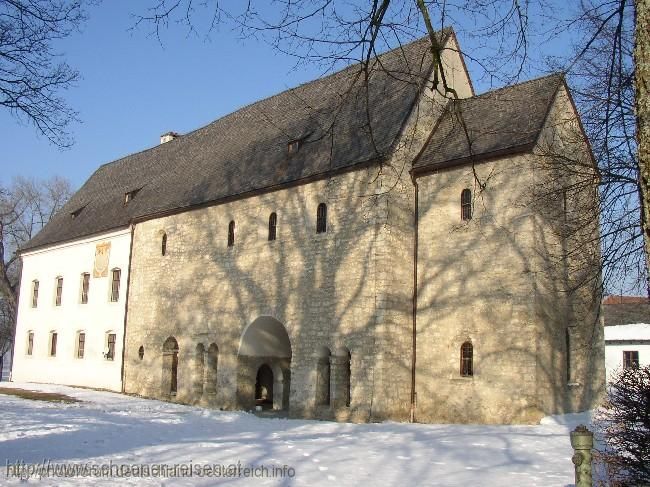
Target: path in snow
x,y
108,427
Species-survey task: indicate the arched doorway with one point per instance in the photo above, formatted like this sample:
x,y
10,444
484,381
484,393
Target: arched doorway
x,y
264,363
170,367
264,387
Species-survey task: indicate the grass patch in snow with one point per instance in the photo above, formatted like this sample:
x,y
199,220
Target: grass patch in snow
x,y
36,395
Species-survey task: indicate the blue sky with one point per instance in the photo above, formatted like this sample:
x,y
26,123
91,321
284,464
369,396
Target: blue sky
x,y
133,89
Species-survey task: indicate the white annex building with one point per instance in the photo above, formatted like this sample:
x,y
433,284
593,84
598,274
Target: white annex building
x,y
71,312
626,346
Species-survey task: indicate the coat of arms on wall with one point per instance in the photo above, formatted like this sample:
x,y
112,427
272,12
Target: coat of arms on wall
x,y
102,252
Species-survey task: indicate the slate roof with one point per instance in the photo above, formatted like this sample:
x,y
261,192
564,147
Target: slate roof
x,y
626,313
246,151
497,122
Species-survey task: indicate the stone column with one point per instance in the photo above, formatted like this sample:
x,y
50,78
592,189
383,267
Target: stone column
x,y
338,380
582,440
278,391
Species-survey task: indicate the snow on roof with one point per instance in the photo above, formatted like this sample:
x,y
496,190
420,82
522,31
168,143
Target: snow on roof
x,y
637,331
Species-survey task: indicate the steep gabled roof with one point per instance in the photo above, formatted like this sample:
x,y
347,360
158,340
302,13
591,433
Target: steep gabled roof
x,y
246,151
494,123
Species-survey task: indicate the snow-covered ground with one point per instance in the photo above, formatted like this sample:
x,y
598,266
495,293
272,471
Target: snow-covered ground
x,y
114,430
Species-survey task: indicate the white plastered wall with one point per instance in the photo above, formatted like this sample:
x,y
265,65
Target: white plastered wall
x,y
97,318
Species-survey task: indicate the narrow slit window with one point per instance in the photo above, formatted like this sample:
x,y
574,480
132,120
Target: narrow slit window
x,y
231,233
115,285
466,360
321,218
466,204
85,286
59,291
141,352
273,225
163,244
35,285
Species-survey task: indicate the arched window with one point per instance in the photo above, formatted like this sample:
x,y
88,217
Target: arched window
x,y
466,360
466,204
231,233
273,224
163,244
321,218
141,352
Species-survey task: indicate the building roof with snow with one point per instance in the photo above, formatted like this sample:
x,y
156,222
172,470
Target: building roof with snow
x,y
626,333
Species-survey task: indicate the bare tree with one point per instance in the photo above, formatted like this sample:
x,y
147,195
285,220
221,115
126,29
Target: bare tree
x,y
31,79
25,207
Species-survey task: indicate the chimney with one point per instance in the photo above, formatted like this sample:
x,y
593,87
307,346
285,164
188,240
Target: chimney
x,y
168,136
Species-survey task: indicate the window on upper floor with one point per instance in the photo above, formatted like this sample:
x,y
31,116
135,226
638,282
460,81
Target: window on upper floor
x,y
109,352
85,286
141,352
466,204
81,344
53,339
321,218
163,244
631,359
35,285
466,360
59,291
116,275
128,196
30,343
273,225
231,233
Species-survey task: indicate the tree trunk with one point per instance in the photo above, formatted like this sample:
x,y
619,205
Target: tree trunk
x,y
642,80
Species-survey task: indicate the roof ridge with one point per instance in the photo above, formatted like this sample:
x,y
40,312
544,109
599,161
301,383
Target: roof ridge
x,y
557,74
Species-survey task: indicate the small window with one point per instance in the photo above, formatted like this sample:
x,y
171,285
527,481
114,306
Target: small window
x,y
85,285
231,233
110,346
321,218
631,359
130,195
115,285
163,244
293,146
35,285
59,291
81,344
53,339
466,360
466,204
141,352
273,225
74,214
30,343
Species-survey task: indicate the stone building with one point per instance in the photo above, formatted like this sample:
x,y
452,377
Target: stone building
x,y
363,251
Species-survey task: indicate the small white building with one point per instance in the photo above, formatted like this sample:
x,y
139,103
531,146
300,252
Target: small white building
x,y
626,346
70,326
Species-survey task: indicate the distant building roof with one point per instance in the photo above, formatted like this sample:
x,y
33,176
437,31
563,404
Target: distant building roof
x,y
636,331
625,313
617,299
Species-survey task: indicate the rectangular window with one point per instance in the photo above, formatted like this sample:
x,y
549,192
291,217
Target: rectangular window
x,y
59,291
81,345
30,343
85,284
115,285
631,359
53,338
35,285
110,346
